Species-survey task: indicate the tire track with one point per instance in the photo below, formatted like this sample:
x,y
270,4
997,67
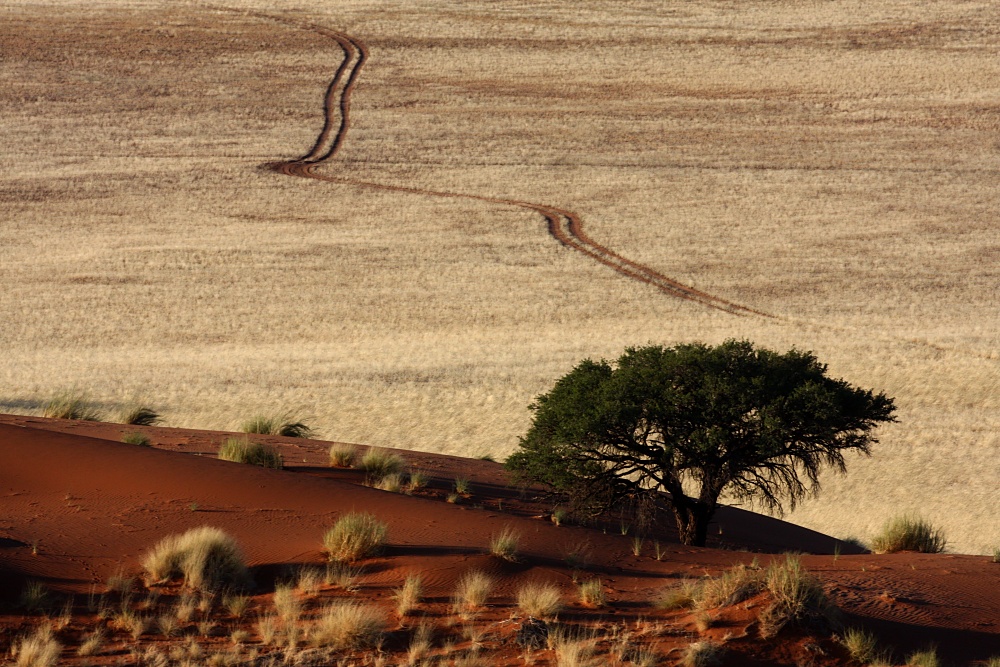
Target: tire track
x,y
563,225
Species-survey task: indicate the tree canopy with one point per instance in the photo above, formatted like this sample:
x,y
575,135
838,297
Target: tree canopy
x,y
682,425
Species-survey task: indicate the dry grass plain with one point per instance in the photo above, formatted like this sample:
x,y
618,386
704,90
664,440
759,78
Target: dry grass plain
x,y
830,163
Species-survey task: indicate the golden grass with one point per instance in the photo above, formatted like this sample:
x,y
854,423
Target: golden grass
x,y
354,536
818,161
204,557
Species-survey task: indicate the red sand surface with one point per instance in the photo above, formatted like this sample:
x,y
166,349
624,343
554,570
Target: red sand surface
x,y
78,505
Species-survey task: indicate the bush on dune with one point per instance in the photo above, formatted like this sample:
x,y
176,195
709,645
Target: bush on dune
x,y
354,536
909,533
71,405
241,450
204,557
286,426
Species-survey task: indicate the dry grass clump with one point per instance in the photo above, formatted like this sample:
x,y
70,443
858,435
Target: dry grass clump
x,y
539,600
702,654
733,586
862,646
71,405
408,595
592,593
392,483
91,644
355,536
135,414
39,649
136,438
241,450
205,557
797,597
342,455
473,590
379,463
681,596
35,597
309,579
909,533
277,425
928,658
348,625
573,650
504,544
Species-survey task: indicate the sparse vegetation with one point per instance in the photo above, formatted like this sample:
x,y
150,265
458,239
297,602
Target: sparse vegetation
x,y
592,593
909,533
504,544
342,455
39,649
136,438
408,596
241,450
928,658
732,587
797,597
35,597
348,625
862,645
680,596
205,557
72,405
462,486
392,483
379,463
702,654
473,590
539,600
355,536
286,426
135,414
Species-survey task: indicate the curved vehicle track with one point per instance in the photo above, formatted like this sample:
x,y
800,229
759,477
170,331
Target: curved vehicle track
x,y
563,225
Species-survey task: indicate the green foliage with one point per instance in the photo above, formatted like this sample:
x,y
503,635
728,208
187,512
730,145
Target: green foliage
x,y
908,533
279,425
241,450
136,438
753,423
354,536
71,405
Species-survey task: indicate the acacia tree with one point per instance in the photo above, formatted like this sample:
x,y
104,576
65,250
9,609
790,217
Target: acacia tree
x,y
687,423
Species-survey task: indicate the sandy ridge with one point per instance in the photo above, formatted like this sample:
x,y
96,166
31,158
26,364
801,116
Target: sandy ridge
x,y
563,225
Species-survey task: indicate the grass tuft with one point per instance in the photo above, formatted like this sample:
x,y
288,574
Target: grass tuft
x,y
928,658
862,646
139,415
136,438
733,586
71,405
681,596
348,625
205,557
592,593
702,654
504,544
379,463
539,600
797,598
408,596
473,590
354,536
286,426
241,450
908,533
342,456
39,649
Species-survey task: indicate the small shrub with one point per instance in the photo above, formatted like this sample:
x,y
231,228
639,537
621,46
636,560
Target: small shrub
x,y
418,480
391,483
408,596
378,463
241,450
908,533
286,426
462,486
539,600
344,625
861,645
37,650
702,654
354,536
139,415
136,438
342,456
928,658
205,557
592,593
797,597
504,544
71,405
682,596
473,590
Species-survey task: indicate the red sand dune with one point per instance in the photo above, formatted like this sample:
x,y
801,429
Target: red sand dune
x,y
78,505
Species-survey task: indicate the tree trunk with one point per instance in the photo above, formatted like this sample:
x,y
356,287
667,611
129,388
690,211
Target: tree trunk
x,y
692,521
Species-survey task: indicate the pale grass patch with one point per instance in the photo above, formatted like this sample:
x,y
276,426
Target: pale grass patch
x,y
909,533
592,593
733,586
392,483
92,643
284,425
680,596
287,604
702,654
504,544
420,643
473,591
310,579
72,405
136,438
39,649
797,597
408,595
138,414
241,450
378,463
342,575
862,645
